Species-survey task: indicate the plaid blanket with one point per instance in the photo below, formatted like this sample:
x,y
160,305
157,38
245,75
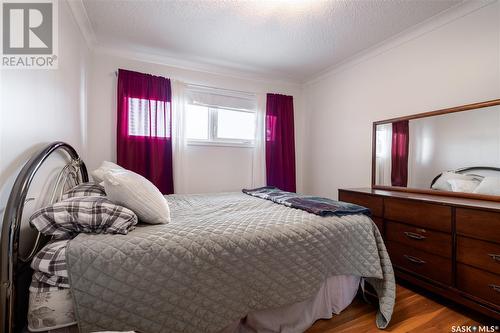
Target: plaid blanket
x,y
315,205
51,259
91,214
89,189
41,282
49,265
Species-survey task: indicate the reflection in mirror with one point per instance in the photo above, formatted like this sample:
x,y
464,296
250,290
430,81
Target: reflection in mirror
x,y
430,152
383,154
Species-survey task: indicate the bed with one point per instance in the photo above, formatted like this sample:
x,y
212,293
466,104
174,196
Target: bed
x,y
227,262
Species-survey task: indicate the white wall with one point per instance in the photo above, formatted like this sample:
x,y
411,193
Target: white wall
x,y
41,106
442,64
209,169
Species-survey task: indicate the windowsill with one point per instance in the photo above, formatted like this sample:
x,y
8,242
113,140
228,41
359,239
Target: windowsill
x,y
220,144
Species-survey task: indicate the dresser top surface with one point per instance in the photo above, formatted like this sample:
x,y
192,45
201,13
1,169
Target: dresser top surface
x,y
437,199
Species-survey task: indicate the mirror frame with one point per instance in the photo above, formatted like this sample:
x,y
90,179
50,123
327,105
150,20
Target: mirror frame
x,y
461,108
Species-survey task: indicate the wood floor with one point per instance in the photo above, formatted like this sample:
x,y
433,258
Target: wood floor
x,y
413,313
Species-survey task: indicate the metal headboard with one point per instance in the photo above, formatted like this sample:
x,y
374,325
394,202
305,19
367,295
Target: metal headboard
x,y
15,271
464,170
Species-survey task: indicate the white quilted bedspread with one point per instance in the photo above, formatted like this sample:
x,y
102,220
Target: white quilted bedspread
x,y
222,256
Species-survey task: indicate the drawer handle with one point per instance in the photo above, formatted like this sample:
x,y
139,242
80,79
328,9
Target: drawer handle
x,y
495,257
414,259
413,235
495,287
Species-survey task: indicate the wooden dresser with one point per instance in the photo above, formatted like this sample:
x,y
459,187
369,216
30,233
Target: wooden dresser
x,y
447,245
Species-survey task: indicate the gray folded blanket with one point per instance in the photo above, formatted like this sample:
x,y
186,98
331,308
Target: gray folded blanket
x,y
311,204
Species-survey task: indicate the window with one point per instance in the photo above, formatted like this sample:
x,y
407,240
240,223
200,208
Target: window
x,y
197,120
220,118
235,125
148,118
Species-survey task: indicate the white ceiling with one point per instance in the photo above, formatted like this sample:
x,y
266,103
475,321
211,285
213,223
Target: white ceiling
x,y
286,39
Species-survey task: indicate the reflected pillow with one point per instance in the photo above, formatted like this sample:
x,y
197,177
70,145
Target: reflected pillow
x,y
463,185
489,185
442,182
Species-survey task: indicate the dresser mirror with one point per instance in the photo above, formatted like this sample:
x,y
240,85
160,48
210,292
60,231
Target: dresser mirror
x,y
454,151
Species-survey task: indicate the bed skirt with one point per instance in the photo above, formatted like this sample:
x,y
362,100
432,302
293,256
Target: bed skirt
x,y
334,295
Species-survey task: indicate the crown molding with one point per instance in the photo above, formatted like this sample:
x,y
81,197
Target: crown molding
x,y
83,21
226,69
433,23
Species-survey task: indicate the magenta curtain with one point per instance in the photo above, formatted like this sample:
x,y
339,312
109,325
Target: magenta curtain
x,y
144,120
399,157
280,142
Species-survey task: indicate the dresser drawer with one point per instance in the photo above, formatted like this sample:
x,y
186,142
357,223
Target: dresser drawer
x,y
478,224
374,203
418,213
425,264
479,283
427,240
480,254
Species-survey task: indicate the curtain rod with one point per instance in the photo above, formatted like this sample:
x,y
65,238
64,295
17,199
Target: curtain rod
x,y
194,85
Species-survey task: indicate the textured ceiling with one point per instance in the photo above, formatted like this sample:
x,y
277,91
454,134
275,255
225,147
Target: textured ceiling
x,y
288,39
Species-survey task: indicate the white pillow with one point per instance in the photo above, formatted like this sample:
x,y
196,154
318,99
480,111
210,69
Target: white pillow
x,y
138,194
489,185
98,174
463,185
442,182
